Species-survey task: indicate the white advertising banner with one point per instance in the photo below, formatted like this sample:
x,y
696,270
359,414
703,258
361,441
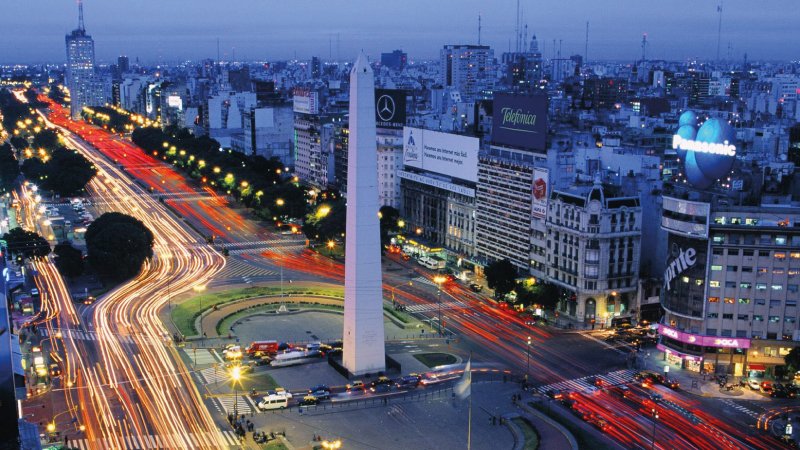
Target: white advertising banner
x,y
447,154
540,195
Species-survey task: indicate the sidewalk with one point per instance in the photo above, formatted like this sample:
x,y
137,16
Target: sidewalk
x,y
693,382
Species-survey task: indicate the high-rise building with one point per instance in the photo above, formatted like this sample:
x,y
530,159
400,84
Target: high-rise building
x,y
80,67
316,68
467,68
123,64
396,60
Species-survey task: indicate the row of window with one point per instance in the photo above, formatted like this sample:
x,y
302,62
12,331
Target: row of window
x,y
761,270
746,317
746,301
748,285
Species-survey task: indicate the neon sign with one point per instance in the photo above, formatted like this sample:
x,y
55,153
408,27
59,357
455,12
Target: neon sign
x,y
707,152
725,148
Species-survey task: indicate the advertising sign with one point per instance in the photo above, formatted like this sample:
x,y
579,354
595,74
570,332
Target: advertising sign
x,y
306,101
520,121
706,341
707,152
684,276
390,108
540,194
443,153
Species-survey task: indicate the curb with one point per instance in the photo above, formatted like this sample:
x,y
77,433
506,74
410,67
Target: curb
x,y
572,442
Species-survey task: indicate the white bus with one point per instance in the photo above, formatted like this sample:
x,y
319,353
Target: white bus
x,y
273,402
294,357
432,263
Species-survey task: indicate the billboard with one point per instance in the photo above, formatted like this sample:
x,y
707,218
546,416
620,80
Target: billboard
x,y
443,153
306,101
540,188
520,121
707,152
685,275
390,108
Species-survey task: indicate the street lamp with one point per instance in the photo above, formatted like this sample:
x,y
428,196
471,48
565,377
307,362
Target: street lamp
x,y
438,279
394,289
331,244
655,418
528,365
236,376
199,288
332,445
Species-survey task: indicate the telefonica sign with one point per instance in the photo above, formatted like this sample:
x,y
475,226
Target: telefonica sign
x,y
708,152
684,260
520,121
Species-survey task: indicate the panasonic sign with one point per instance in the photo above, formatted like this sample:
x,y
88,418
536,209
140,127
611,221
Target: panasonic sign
x,y
685,259
724,148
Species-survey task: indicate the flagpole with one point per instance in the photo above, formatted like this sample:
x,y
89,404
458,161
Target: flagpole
x,y
469,417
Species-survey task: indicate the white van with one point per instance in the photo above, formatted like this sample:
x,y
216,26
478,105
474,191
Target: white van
x,y
273,402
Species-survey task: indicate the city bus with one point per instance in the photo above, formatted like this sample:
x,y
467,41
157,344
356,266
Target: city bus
x,y
294,358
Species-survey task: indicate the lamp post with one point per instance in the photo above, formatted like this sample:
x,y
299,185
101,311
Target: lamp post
x,y
655,418
236,376
394,289
199,288
331,245
438,279
528,365
332,445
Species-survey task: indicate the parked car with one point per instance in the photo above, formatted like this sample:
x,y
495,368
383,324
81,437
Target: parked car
x,y
356,386
407,382
766,387
754,384
309,400
381,388
671,383
320,391
381,380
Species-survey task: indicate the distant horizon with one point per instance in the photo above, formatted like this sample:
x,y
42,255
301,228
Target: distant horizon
x,y
181,30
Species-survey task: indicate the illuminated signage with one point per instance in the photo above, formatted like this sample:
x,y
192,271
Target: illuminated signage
x,y
670,333
708,152
539,207
444,153
706,341
683,261
520,121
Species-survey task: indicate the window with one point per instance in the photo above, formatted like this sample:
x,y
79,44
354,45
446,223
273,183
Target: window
x,y
774,303
745,285
712,316
718,239
741,333
713,299
743,317
717,251
780,240
789,320
777,271
758,318
763,270
774,319
761,286
730,284
733,252
793,271
791,287
733,268
726,333
763,253
747,269
761,301
713,283
777,287
747,252
729,300
716,268
794,255
744,301
728,316
791,303
780,256
711,331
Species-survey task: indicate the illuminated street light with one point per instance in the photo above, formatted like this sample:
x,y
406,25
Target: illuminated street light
x,y
279,202
438,279
331,245
332,445
236,376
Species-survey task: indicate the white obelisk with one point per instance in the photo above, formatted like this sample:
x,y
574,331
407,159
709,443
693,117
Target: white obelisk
x,y
363,336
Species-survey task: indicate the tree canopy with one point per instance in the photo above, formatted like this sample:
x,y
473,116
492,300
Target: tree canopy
x,y
69,260
792,359
9,169
501,276
117,245
66,172
326,221
27,244
389,218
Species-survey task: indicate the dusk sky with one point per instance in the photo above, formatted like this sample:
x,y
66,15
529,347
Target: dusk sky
x,y
176,30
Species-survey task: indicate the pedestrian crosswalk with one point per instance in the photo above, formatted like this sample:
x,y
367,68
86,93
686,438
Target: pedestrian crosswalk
x,y
69,333
424,280
240,404
202,356
236,268
263,243
213,375
260,249
428,307
584,384
134,442
742,409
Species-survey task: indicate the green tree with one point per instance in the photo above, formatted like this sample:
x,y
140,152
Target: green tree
x,y
792,359
67,172
9,169
34,169
46,139
27,244
389,217
117,245
327,221
501,276
69,260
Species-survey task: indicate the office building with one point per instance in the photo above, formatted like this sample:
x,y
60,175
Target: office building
x,y
467,68
80,68
395,60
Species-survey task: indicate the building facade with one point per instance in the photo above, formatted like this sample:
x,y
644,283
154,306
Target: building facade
x,y
467,68
80,78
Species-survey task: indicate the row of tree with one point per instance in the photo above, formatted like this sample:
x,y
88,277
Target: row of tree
x,y
503,278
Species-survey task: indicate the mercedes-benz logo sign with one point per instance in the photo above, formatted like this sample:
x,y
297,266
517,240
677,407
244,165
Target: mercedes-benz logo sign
x,y
386,107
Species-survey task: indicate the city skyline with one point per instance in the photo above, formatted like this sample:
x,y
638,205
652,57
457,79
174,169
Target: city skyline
x,y
184,31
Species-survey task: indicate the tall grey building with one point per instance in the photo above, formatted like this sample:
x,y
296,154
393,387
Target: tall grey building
x,y
80,67
467,68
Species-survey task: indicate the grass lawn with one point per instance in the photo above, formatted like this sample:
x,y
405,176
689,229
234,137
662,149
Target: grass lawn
x,y
185,313
401,316
584,439
274,445
337,251
529,433
436,359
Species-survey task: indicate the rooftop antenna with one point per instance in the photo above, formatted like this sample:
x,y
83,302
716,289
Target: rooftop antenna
x,y
80,16
218,60
719,28
479,28
586,44
525,39
516,33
